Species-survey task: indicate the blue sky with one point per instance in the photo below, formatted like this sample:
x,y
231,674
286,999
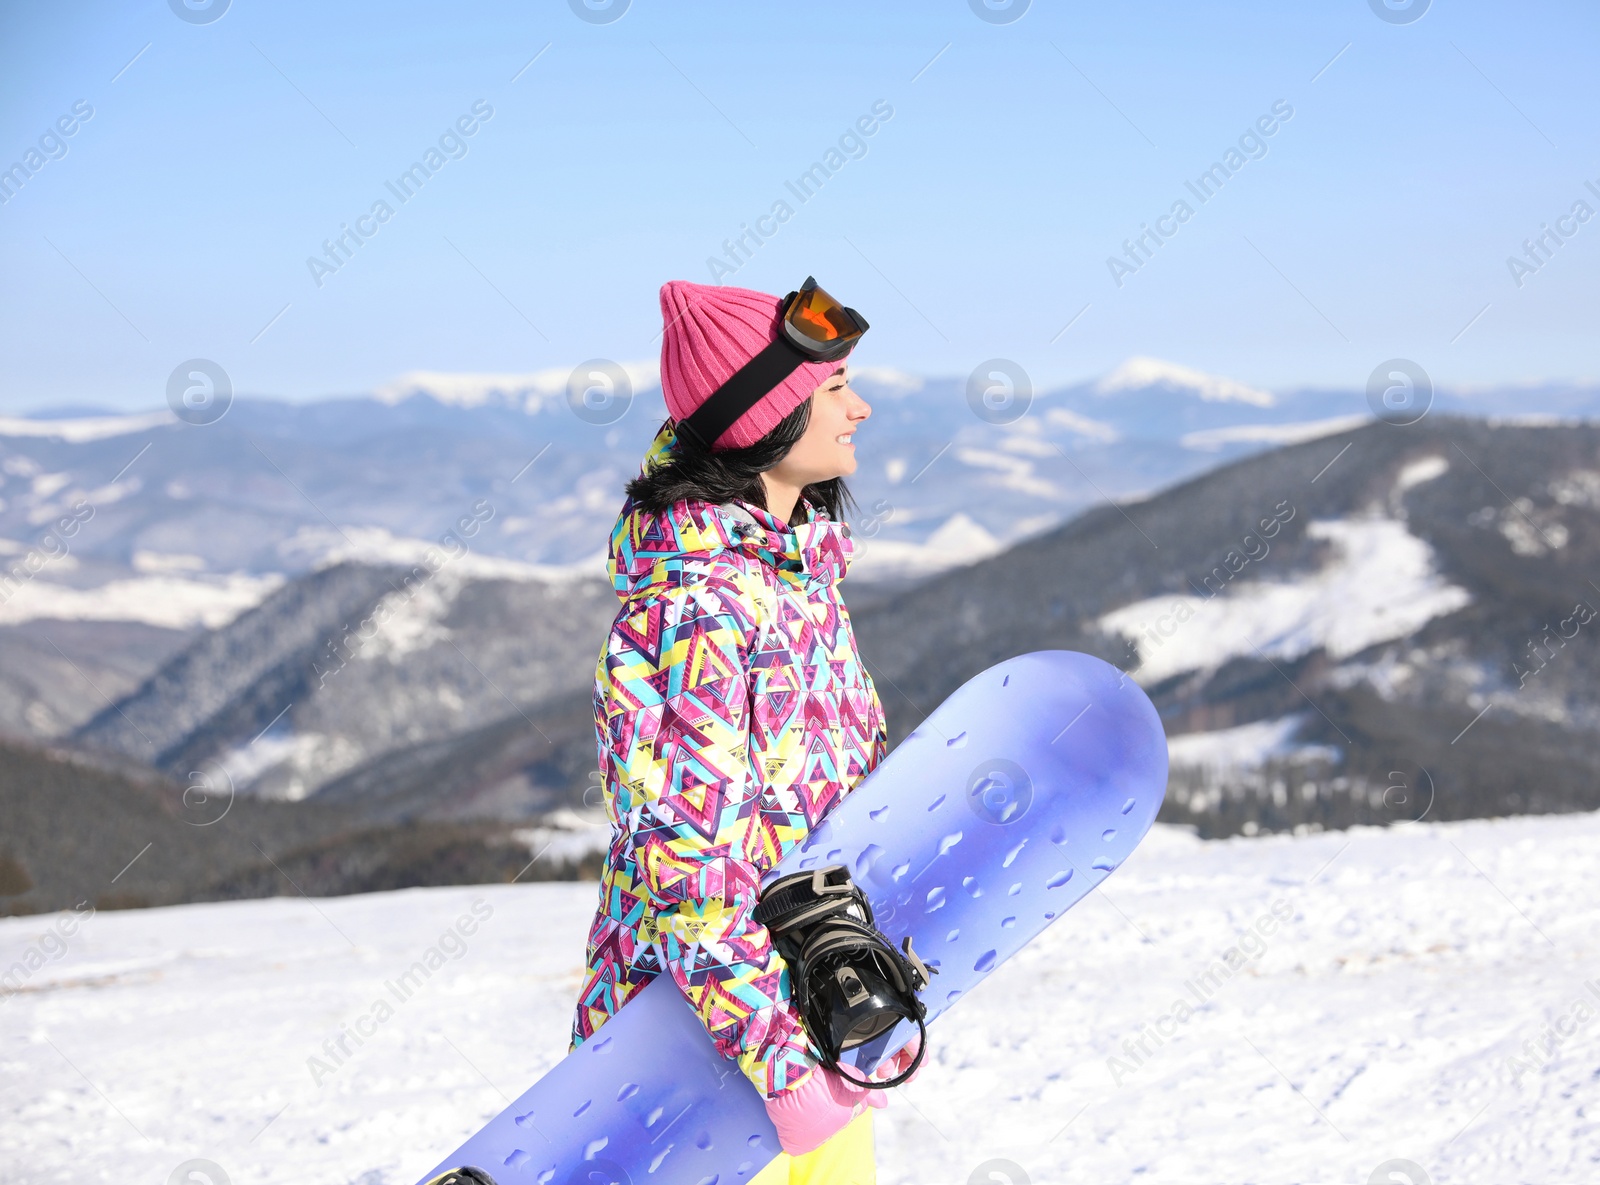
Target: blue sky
x,y
974,222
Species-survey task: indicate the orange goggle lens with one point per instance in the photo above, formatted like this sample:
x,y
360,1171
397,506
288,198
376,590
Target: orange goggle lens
x,y
820,317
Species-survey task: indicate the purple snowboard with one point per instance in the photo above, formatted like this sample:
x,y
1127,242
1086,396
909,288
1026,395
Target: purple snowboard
x,y
1024,790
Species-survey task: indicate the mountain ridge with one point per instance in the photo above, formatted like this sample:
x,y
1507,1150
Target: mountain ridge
x,y
1245,596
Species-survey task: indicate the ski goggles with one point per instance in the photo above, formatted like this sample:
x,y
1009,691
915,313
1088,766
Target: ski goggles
x,y
813,327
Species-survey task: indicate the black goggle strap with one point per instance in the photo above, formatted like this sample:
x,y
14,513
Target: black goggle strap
x,y
743,390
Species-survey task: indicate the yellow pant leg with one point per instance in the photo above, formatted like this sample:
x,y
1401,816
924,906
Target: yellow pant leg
x,y
846,1159
776,1172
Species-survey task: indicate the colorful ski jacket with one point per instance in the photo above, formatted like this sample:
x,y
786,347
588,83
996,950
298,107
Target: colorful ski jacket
x,y
732,712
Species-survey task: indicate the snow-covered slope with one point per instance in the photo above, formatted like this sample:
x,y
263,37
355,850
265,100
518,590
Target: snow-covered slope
x,y
169,600
1380,585
1426,999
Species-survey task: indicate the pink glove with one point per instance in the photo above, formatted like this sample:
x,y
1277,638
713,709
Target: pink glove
x,y
817,1109
897,1064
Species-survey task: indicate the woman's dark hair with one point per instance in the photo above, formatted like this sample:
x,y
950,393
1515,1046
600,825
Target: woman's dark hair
x,y
718,477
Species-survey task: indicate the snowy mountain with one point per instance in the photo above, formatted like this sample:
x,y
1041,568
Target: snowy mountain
x,y
1428,1000
1315,614
1318,616
275,489
1142,374
533,392
177,528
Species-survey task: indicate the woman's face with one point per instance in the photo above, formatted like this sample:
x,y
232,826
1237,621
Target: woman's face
x,y
828,448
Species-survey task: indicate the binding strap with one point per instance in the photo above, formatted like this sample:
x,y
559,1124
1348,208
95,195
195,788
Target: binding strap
x,y
850,984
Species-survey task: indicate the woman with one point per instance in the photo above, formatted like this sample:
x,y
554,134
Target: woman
x,y
731,707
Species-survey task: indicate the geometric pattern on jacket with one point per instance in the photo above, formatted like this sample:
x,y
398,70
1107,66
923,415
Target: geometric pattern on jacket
x,y
732,713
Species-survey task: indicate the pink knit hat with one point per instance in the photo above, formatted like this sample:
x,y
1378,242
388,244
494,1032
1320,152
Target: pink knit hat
x,y
712,331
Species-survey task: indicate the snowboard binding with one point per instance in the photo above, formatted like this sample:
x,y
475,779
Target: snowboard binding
x,y
463,1176
850,984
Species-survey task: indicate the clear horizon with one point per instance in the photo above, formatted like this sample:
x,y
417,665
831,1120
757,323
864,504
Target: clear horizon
x,y
1466,390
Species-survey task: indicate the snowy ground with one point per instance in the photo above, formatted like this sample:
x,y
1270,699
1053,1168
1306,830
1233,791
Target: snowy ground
x,y
1384,1021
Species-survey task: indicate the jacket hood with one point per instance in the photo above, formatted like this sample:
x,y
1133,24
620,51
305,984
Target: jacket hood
x,y
646,546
